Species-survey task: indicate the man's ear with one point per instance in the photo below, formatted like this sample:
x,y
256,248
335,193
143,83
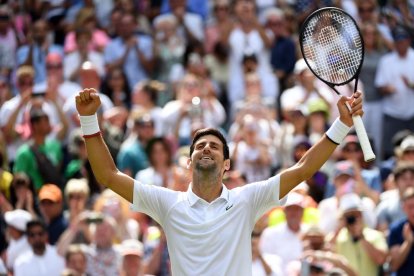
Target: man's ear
x,y
226,164
188,163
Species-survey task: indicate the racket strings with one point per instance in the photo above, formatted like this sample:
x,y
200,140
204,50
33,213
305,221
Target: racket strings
x,y
333,45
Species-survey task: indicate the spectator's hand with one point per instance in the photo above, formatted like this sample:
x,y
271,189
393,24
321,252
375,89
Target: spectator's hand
x,y
25,97
408,233
356,228
28,200
132,42
87,102
407,82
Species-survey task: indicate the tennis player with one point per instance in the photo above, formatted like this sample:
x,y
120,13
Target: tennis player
x,y
208,228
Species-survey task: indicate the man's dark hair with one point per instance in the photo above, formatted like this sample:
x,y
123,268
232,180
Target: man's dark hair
x,y
34,223
211,131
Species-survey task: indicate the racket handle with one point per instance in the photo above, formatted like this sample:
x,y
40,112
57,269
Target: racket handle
x,y
363,139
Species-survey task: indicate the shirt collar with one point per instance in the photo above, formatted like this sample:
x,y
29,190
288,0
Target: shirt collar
x,y
193,198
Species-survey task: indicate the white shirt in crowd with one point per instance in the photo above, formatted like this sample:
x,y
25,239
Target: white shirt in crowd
x,y
15,249
49,264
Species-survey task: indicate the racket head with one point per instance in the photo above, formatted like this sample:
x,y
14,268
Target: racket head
x,y
332,46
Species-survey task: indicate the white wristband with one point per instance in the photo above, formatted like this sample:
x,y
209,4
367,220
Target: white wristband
x,y
337,132
89,124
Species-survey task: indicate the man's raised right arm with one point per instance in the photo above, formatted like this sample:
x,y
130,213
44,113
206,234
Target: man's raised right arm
x,y
103,166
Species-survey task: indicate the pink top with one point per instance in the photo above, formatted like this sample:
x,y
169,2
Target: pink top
x,y
98,42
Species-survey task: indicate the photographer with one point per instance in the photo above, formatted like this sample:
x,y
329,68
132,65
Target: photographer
x,y
363,247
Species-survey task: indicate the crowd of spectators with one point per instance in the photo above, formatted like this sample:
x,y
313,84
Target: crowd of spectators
x,y
166,68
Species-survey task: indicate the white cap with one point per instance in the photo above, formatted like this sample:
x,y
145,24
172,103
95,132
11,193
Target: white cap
x,y
294,198
18,219
407,143
350,202
301,65
132,247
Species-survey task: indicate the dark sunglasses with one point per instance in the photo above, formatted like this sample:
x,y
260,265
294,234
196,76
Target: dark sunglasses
x,y
36,234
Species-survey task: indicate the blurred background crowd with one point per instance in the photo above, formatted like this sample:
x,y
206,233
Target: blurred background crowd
x,y
166,68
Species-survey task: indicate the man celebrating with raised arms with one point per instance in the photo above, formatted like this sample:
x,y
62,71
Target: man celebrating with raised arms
x,y
208,228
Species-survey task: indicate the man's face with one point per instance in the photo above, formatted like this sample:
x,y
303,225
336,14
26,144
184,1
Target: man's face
x,y
293,215
126,26
104,234
25,82
50,209
404,181
40,31
42,127
37,238
408,208
131,264
77,261
208,155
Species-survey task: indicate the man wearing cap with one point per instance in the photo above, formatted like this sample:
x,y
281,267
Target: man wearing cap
x,y
16,227
365,248
277,239
132,252
406,150
51,206
401,238
395,80
345,180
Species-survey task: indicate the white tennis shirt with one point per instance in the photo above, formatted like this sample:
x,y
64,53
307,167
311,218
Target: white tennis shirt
x,y
208,238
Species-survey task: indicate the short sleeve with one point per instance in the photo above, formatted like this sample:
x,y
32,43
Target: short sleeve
x,y
154,201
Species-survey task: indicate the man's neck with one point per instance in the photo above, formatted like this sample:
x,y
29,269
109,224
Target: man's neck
x,y
207,186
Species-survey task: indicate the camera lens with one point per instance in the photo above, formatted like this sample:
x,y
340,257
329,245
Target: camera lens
x,y
350,220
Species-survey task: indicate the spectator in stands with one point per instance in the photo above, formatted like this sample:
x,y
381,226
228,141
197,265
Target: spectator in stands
x,y
132,157
34,54
116,87
145,99
51,207
86,20
111,204
42,259
75,259
8,42
401,238
406,150
264,264
190,25
132,252
130,51
390,209
363,247
16,221
250,153
276,239
345,180
41,158
395,80
193,103
374,50
283,50
218,24
73,61
22,194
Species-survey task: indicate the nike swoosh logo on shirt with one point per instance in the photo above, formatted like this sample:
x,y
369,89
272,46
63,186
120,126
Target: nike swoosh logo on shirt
x,y
228,207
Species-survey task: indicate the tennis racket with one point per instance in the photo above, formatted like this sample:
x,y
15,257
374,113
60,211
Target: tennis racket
x,y
333,49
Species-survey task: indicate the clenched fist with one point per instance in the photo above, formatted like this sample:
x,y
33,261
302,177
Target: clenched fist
x,y
87,102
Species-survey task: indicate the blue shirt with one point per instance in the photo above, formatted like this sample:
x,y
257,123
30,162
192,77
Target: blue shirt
x,y
283,55
396,238
38,58
133,158
132,67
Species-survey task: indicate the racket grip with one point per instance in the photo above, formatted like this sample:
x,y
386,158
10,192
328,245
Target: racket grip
x,y
363,139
